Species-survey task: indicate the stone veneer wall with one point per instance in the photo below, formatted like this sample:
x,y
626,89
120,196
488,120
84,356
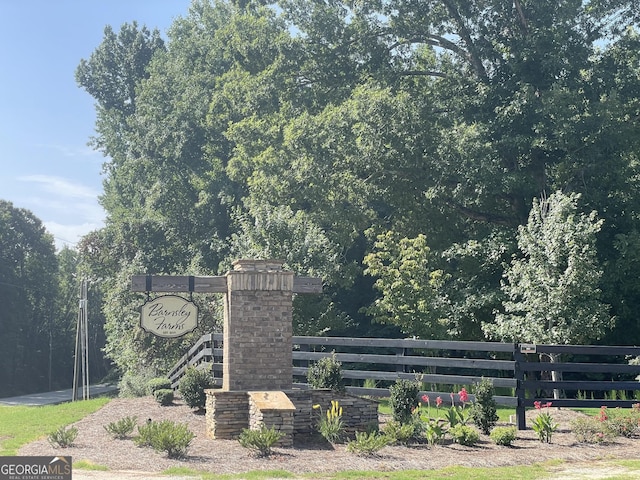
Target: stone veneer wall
x,y
230,412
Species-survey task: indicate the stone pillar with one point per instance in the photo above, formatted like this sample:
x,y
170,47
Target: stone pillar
x,y
258,327
227,414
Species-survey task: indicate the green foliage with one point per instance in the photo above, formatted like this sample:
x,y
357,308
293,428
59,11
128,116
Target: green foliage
x,y
483,411
192,386
122,428
63,437
464,434
260,441
326,373
165,436
553,290
403,400
164,396
134,383
400,433
544,425
435,430
158,383
504,436
330,425
590,430
367,443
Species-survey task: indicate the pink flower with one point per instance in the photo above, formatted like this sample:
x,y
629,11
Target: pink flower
x,y
537,404
464,396
438,401
425,399
547,405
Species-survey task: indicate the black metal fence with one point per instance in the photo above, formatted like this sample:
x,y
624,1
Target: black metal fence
x,y
592,376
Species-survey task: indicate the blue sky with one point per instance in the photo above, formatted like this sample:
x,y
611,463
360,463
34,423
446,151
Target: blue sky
x,y
46,120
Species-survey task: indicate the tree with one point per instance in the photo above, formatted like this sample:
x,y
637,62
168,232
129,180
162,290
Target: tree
x,y
27,292
553,288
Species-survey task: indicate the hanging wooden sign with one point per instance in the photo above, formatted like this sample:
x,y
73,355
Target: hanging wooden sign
x,y
169,316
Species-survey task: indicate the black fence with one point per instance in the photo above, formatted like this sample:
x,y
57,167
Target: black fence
x,y
592,376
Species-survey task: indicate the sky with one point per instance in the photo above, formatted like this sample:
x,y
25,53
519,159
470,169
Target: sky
x,y
46,120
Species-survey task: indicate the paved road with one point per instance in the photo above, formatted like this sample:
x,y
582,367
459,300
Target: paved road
x,y
59,396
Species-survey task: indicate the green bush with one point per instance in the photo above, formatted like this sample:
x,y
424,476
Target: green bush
x,y
260,441
63,437
590,430
367,443
165,436
192,387
400,433
158,383
122,428
464,434
403,400
504,436
326,373
164,396
484,412
623,422
134,383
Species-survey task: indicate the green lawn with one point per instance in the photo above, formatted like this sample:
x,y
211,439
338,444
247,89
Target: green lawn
x,y
20,425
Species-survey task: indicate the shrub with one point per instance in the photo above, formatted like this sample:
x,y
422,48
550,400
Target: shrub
x,y
484,412
163,396
192,387
403,400
464,434
122,428
326,373
158,383
623,422
400,433
590,430
367,444
134,382
165,436
504,436
260,441
63,437
330,425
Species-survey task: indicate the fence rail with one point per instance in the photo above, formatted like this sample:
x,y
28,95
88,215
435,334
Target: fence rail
x,y
441,366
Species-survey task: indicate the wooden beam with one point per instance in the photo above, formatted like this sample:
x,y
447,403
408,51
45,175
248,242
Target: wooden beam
x,y
307,285
177,283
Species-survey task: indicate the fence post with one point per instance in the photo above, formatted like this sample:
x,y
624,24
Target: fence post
x,y
518,375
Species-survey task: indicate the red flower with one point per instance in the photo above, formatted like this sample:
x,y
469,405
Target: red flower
x,y
537,404
438,401
425,399
464,396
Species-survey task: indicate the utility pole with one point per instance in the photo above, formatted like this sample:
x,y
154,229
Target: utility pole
x,y
81,366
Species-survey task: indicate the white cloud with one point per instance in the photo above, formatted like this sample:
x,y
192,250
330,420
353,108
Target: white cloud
x,y
61,186
69,235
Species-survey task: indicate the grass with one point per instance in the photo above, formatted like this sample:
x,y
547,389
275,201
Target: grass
x,y
21,425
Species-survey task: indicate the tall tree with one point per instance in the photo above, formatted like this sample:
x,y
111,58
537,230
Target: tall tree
x,y
27,293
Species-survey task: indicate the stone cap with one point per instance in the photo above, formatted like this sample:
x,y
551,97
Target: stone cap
x,y
272,400
253,265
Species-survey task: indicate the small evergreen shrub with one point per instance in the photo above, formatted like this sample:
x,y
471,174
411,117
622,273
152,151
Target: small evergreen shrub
x,y
503,436
164,396
63,437
122,428
260,441
192,387
484,412
165,436
403,400
464,434
326,373
367,443
158,383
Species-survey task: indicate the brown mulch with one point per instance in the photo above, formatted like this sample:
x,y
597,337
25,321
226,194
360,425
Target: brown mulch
x,y
227,456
